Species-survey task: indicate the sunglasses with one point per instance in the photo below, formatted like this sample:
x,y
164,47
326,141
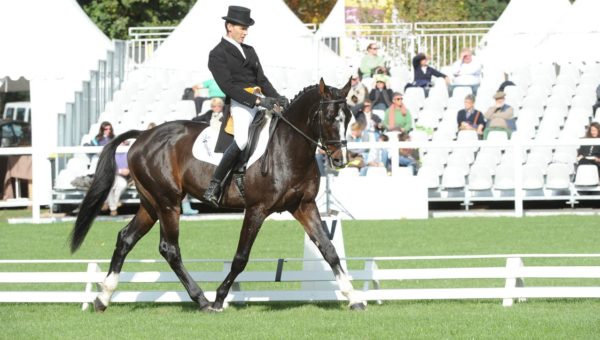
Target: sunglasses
x,y
107,128
397,98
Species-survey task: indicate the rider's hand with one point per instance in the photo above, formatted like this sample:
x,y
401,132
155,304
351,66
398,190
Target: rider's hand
x,y
283,101
269,102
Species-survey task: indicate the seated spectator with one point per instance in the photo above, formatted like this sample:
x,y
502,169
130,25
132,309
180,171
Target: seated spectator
x,y
590,154
357,95
120,184
408,157
397,116
357,157
214,115
105,134
466,72
378,157
370,62
371,121
469,118
381,96
423,73
195,93
499,117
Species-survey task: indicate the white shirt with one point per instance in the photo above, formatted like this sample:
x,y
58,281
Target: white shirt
x,y
236,44
466,74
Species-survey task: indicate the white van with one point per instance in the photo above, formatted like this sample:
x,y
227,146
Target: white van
x,y
20,111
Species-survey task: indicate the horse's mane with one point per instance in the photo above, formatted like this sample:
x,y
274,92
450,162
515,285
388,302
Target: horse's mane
x,y
303,92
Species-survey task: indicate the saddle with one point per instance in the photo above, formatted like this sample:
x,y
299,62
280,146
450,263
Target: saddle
x,y
225,139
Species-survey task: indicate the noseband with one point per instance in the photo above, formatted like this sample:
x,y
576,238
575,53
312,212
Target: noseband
x,y
320,143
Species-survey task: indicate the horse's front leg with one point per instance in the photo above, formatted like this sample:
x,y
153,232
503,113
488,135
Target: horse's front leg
x,y
253,220
308,214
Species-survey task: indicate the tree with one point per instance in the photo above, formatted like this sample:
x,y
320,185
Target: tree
x,y
311,11
114,17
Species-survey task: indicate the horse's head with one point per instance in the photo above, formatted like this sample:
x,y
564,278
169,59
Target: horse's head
x,y
334,117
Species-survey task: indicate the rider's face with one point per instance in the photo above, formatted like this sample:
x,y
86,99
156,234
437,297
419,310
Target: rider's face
x,y
237,32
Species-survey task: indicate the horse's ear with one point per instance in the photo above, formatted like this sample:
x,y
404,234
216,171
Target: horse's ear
x,y
346,88
322,87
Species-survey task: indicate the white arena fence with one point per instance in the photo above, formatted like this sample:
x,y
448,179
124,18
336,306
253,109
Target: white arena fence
x,y
513,274
519,148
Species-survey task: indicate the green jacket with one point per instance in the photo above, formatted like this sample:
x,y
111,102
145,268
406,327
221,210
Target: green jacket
x,y
401,121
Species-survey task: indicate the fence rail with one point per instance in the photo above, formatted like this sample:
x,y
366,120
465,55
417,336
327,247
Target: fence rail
x,y
513,274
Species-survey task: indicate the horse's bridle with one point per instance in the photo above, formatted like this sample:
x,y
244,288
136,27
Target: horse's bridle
x,y
320,143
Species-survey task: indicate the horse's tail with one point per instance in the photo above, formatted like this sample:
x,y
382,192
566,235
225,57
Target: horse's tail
x,y
99,189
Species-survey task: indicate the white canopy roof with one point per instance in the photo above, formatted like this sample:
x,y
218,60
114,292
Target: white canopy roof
x,y
290,54
48,39
522,25
335,24
576,38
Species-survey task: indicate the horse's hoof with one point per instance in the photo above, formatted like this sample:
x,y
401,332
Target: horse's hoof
x,y
99,306
359,306
213,310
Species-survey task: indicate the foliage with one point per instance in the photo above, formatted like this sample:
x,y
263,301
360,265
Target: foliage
x,y
114,17
484,10
311,11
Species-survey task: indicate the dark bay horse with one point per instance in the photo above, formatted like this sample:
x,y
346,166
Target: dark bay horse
x,y
164,170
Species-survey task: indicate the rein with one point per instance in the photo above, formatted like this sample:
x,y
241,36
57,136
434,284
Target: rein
x,y
320,141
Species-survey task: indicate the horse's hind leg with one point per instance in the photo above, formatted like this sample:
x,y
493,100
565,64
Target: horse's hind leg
x,y
169,249
141,223
308,215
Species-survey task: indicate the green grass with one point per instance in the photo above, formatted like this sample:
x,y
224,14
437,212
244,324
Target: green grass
x,y
566,319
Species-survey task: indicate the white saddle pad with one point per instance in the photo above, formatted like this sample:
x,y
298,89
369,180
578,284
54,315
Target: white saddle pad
x,y
204,146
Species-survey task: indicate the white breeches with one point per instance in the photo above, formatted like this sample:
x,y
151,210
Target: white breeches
x,y
242,118
115,192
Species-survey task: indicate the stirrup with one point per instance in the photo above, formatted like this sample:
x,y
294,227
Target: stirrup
x,y
212,194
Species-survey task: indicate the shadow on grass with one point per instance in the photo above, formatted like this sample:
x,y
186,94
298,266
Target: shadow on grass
x,y
189,307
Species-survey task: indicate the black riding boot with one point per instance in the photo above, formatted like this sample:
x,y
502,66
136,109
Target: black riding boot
x,y
212,193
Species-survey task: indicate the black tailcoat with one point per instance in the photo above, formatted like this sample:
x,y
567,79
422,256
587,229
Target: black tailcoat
x,y
233,73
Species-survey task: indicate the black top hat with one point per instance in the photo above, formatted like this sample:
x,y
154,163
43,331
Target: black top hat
x,y
239,15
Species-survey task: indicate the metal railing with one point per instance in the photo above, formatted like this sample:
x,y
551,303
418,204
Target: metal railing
x,y
400,41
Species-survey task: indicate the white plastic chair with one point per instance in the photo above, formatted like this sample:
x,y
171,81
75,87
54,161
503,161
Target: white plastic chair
x,y
414,97
558,176
505,177
348,172
375,171
453,178
430,176
587,175
533,177
480,178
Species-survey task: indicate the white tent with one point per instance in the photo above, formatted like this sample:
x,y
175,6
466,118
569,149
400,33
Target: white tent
x,y
54,45
290,54
522,25
576,38
335,24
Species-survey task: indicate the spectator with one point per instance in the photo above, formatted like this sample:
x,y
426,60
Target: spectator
x,y
357,157
214,115
357,94
120,184
408,157
469,118
423,73
378,157
195,93
371,121
466,72
105,134
381,96
590,154
370,62
397,116
499,117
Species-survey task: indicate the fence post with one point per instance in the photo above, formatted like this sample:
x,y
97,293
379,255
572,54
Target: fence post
x,y
518,164
370,266
92,267
512,264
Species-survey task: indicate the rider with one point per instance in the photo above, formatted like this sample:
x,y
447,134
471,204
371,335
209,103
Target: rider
x,y
237,70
